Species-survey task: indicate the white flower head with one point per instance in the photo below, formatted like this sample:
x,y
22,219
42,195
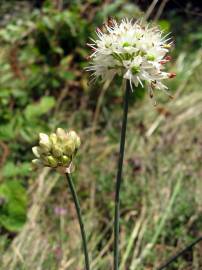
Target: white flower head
x,y
132,50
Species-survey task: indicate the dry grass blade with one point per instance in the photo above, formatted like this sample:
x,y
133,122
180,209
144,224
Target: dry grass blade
x,y
30,243
132,238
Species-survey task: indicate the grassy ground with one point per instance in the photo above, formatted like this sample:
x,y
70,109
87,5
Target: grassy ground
x,y
161,201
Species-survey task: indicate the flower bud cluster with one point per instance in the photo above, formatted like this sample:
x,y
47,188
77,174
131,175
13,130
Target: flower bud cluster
x,y
57,149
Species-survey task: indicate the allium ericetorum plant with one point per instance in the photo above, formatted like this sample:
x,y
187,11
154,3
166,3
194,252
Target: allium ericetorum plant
x,y
57,151
137,53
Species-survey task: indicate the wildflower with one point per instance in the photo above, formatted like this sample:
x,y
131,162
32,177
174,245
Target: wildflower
x,y
133,51
60,211
56,150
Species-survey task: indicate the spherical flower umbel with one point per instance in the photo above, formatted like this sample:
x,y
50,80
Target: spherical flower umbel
x,y
132,50
56,150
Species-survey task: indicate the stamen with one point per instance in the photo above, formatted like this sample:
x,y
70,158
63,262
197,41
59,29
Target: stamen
x,y
168,58
172,75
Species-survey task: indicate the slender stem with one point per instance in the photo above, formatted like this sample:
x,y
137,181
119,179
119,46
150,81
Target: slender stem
x,y
175,257
78,210
119,176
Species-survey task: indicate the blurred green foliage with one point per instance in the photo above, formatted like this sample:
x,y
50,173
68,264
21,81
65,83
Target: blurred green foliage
x,y
13,205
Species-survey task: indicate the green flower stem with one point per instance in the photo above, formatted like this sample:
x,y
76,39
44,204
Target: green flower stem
x,y
119,176
78,210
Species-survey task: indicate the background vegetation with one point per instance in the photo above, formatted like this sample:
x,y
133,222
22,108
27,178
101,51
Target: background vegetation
x,y
43,85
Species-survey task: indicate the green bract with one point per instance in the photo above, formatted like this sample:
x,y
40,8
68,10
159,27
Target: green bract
x,y
57,149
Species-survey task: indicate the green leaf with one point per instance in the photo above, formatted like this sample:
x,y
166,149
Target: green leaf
x,y
7,131
33,111
48,22
13,205
67,75
164,25
10,169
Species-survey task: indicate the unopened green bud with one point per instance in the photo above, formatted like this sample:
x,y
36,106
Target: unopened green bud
x,y
44,160
65,160
36,163
60,132
135,70
53,138
56,150
36,151
44,142
150,57
52,162
73,136
69,147
61,135
77,142
126,44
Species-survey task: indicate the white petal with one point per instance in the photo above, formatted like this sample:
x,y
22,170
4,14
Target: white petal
x,y
36,151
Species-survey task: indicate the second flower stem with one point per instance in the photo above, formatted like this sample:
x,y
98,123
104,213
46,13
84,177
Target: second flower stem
x,y
78,210
119,177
